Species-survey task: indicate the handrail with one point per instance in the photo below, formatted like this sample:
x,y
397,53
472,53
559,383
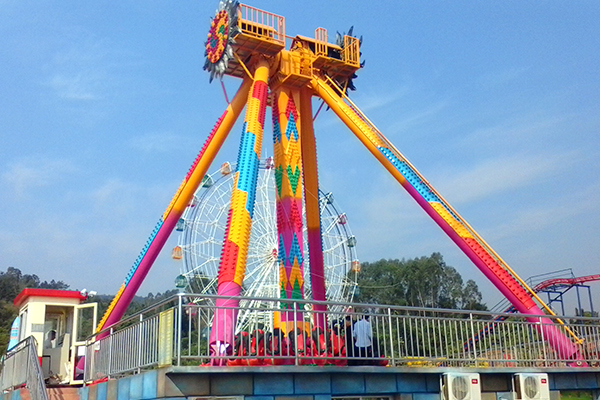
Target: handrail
x,y
131,318
261,23
177,330
194,297
21,366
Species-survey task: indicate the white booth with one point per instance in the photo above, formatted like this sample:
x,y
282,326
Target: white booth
x,y
60,321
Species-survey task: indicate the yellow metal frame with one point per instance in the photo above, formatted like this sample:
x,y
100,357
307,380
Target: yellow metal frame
x,y
351,51
261,24
320,42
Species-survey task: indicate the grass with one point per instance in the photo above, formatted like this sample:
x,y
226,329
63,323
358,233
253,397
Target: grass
x,y
576,395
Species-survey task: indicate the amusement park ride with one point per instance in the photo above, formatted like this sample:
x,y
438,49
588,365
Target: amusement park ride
x,y
250,44
283,73
299,267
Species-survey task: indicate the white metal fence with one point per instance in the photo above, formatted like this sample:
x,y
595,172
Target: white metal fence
x,y
177,332
21,367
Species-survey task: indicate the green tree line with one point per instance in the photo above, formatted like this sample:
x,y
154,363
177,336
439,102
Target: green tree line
x,y
418,282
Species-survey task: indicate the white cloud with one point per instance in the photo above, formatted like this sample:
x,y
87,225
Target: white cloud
x,y
116,199
521,130
72,249
497,175
381,98
415,117
85,68
78,72
33,172
529,220
563,210
76,86
108,191
99,233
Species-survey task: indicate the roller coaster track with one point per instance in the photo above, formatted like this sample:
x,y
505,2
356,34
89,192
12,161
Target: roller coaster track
x,y
548,283
565,282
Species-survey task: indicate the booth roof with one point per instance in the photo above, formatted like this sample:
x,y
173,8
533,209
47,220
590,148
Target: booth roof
x,y
63,294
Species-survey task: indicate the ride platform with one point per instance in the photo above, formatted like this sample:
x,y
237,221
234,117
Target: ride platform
x,y
313,383
262,32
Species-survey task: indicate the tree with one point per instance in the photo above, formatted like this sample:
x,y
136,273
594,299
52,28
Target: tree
x,y
471,297
419,282
382,282
59,285
12,282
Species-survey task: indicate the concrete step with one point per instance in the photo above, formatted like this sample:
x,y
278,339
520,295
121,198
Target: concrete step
x,y
54,393
63,393
24,394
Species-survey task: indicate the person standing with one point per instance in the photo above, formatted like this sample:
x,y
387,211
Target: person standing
x,y
363,337
349,340
49,343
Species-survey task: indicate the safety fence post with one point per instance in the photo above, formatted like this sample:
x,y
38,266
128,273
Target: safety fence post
x,y
473,335
391,341
110,343
541,330
178,336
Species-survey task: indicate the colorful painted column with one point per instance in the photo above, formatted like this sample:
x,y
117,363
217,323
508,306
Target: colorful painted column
x,y
474,247
232,267
169,219
288,198
313,211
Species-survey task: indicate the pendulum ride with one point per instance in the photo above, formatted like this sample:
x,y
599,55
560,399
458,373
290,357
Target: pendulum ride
x,y
250,44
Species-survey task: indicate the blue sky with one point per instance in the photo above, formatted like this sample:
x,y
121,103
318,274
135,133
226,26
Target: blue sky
x,y
103,107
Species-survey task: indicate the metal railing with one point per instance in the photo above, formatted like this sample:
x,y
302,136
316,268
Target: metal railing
x,y
351,52
261,24
178,331
21,367
130,345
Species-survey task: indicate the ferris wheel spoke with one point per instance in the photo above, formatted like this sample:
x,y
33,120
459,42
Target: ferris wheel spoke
x,y
261,271
203,269
262,286
331,225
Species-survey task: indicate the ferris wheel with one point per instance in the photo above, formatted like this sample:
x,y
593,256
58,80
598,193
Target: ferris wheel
x,y
202,228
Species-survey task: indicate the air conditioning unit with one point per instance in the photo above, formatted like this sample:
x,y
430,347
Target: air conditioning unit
x,y
461,386
532,387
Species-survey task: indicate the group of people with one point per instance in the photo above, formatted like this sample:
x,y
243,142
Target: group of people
x,y
350,344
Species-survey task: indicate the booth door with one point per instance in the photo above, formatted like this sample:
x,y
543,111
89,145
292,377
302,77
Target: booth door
x,y
84,325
